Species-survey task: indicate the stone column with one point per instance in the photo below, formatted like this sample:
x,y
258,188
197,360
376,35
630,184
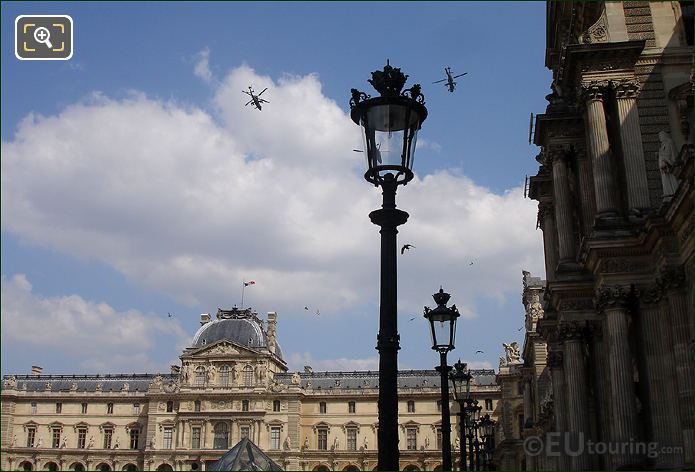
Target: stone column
x,y
631,141
572,335
612,301
555,363
546,219
602,390
563,204
586,190
659,378
682,341
604,178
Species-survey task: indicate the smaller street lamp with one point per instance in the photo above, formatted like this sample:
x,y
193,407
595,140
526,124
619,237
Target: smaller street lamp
x,y
461,379
443,330
487,428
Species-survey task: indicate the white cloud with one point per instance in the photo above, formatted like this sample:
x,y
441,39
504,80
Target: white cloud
x,y
189,204
202,66
93,335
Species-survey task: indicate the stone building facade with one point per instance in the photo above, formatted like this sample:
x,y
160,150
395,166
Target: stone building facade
x,y
614,192
232,382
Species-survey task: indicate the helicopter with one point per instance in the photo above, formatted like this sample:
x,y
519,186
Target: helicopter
x,y
450,79
256,100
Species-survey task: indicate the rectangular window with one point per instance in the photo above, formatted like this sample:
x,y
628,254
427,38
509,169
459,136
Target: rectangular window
x,y
411,439
170,406
55,438
488,404
248,376
200,378
168,434
322,407
323,439
224,376
134,438
81,438
136,408
108,435
352,439
244,431
31,435
196,405
275,437
195,438
244,405
109,408
411,406
439,439
439,406
351,407
84,408
34,408
59,407
276,405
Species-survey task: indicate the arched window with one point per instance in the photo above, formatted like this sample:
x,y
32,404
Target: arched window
x,y
321,468
130,467
221,440
77,466
200,376
411,467
26,465
51,466
103,467
224,376
248,376
351,468
170,406
165,467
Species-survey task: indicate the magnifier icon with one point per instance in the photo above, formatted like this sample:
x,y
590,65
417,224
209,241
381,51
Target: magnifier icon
x,y
42,35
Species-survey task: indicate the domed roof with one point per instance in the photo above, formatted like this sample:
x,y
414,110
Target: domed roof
x,y
238,326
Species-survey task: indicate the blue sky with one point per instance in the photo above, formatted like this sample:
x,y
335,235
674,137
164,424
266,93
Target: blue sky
x,y
136,184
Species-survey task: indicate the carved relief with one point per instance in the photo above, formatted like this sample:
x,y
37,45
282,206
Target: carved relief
x,y
615,296
575,304
672,277
572,332
626,88
597,33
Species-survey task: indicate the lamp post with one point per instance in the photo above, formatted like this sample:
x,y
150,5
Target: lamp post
x,y
487,427
461,379
389,124
443,329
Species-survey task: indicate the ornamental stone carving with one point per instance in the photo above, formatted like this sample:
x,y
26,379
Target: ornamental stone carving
x,y
651,294
572,331
672,277
594,90
512,354
575,304
597,33
10,382
615,296
628,88
667,164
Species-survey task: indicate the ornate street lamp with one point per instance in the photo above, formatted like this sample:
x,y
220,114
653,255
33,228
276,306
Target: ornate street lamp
x,y
443,330
487,428
461,379
389,124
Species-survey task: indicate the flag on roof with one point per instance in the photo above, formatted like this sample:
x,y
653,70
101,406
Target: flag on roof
x,y
250,282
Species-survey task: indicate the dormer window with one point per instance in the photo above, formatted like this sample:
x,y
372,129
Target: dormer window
x,y
224,376
200,376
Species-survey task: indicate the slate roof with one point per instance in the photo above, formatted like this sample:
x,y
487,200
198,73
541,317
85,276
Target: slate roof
x,y
243,331
370,379
87,383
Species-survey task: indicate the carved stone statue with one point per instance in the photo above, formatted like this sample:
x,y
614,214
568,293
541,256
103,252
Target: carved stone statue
x,y
306,442
296,379
427,442
153,441
235,373
116,443
457,444
39,443
99,387
90,443
287,445
14,441
10,382
64,442
125,387
503,362
335,444
366,443
667,163
512,352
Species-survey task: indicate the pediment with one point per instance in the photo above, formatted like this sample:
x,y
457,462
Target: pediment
x,y
220,348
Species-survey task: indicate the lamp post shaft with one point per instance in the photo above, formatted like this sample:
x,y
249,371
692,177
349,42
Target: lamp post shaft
x,y
388,218
463,465
446,418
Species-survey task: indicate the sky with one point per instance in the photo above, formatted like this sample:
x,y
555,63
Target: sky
x,y
136,184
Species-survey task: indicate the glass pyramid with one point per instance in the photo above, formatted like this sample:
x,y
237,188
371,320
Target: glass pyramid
x,y
245,455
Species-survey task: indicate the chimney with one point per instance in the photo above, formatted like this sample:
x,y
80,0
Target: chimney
x,y
204,318
308,369
36,370
175,369
272,325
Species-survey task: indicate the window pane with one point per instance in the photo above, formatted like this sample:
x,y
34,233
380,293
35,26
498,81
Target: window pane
x,y
108,434
31,435
411,436
81,438
244,431
221,439
59,407
109,408
167,437
55,443
323,439
84,408
352,439
195,438
134,438
275,437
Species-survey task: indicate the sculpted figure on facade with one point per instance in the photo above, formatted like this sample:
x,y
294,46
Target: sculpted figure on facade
x,y
39,443
667,164
64,442
366,443
513,356
117,443
11,382
296,379
90,443
287,445
306,443
14,441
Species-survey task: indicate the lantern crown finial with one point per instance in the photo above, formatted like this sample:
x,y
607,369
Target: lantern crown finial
x,y
388,82
441,298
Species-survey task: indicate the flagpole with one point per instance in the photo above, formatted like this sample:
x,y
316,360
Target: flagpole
x,y
243,286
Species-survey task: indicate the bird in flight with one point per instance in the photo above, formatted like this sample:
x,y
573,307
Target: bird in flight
x,y
411,319
318,313
406,247
470,263
170,315
306,308
481,352
520,328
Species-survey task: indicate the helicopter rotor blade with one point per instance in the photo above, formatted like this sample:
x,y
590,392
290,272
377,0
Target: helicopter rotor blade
x,y
439,81
262,92
460,75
